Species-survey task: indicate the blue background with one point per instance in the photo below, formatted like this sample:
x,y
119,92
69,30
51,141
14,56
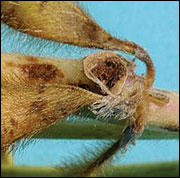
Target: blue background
x,y
155,26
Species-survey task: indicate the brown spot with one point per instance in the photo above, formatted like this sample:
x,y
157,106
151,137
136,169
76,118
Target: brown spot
x,y
43,72
8,16
38,106
5,131
10,64
11,132
65,113
109,71
31,58
90,30
13,122
43,4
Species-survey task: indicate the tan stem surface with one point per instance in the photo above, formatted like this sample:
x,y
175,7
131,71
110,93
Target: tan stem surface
x,y
166,116
36,93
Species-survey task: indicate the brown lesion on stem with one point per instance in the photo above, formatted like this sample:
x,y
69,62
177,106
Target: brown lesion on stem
x,y
44,72
90,30
38,106
9,14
